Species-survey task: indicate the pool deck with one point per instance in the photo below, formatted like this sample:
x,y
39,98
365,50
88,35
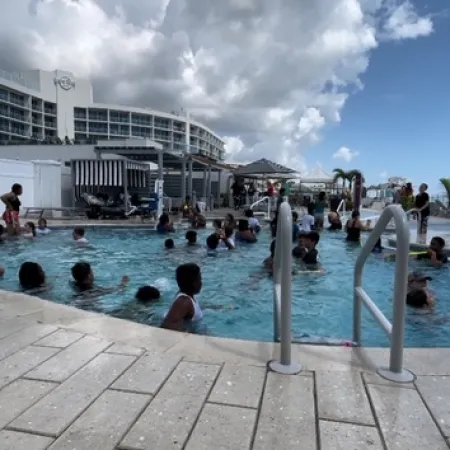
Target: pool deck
x,y
76,380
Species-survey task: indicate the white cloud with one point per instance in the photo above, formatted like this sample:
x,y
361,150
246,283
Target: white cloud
x,y
345,154
404,23
268,75
384,176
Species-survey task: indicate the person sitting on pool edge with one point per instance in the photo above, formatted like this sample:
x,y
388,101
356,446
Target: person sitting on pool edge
x,y
164,224
32,278
253,222
191,238
435,253
83,277
418,295
244,234
169,244
185,309
78,236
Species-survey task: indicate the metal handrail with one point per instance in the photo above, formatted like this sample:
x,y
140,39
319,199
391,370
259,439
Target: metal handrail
x,y
282,292
395,331
342,205
263,200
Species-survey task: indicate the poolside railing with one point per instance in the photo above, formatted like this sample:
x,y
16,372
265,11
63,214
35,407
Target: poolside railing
x,y
394,330
341,207
419,222
262,200
282,292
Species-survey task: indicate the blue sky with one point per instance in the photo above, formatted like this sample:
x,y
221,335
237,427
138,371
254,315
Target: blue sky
x,y
400,122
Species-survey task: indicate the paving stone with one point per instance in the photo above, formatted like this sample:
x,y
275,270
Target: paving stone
x,y
22,362
287,418
373,378
13,440
61,338
54,413
20,395
341,396
167,421
20,339
223,427
346,436
104,423
404,420
239,385
12,325
436,393
148,373
69,360
124,349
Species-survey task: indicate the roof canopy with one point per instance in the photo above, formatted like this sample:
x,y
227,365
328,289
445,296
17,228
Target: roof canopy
x,y
263,167
317,175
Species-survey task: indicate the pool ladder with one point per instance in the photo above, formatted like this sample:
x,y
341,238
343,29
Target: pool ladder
x,y
282,293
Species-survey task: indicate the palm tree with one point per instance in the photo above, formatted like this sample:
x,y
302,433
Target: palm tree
x,y
351,175
340,174
446,184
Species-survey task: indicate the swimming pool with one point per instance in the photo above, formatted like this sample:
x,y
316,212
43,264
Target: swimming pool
x,y
322,304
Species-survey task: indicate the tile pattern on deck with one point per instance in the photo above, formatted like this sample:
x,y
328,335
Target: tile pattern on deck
x,y
61,389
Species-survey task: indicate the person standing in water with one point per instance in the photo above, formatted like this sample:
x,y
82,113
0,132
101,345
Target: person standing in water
x,y
185,309
11,215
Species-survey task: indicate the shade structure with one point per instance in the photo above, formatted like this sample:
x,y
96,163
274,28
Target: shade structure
x,y
317,176
263,167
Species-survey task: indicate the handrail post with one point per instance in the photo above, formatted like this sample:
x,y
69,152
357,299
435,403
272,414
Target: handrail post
x,y
283,279
395,372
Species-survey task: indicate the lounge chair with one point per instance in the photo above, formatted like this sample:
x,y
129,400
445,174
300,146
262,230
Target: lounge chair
x,y
99,208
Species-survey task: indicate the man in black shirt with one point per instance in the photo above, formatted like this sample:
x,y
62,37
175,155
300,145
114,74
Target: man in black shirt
x,y
422,205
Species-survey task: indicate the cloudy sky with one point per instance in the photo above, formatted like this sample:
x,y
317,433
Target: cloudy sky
x,y
271,76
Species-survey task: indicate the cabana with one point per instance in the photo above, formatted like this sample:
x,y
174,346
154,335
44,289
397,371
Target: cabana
x,y
318,180
110,176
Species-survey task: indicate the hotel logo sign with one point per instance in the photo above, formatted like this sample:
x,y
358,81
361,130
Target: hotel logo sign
x,y
65,83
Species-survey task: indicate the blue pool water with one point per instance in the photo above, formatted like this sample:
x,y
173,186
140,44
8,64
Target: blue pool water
x,y
322,304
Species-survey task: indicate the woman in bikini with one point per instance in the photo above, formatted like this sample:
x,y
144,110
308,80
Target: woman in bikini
x,y
11,215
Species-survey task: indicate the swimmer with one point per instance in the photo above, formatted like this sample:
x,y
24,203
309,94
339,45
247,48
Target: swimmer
x,y
311,258
299,251
308,219
191,238
253,222
353,227
217,224
83,277
244,234
229,221
169,244
164,224
227,239
29,230
147,294
78,236
269,261
435,252
213,241
42,227
335,221
32,278
378,248
418,295
185,309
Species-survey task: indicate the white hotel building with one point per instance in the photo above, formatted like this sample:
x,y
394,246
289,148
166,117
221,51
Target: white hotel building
x,y
40,105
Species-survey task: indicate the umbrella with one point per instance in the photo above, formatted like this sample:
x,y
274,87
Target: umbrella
x,y
263,167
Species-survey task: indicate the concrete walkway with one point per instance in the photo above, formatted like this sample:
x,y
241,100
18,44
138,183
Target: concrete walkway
x,y
76,380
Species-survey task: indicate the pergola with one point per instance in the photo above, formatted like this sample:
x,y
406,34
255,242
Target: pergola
x,y
183,162
264,167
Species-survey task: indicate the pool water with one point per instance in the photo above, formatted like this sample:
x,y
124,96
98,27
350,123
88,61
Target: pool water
x,y
322,303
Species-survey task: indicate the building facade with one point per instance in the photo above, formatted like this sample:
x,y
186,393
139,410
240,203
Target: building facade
x,y
41,105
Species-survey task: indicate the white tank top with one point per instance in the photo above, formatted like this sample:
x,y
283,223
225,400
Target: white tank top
x,y
198,313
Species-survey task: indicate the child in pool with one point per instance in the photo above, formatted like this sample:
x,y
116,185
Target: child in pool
x,y
418,295
29,230
191,238
169,244
435,253
83,277
78,236
253,222
42,227
244,234
32,278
